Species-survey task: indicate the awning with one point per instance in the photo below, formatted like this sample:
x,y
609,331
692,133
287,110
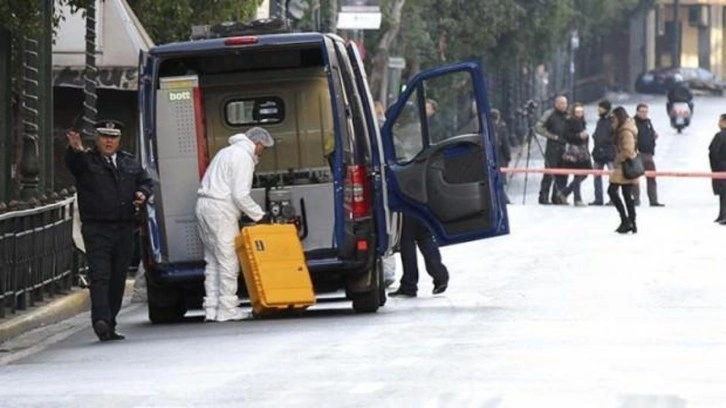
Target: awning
x,y
120,39
118,78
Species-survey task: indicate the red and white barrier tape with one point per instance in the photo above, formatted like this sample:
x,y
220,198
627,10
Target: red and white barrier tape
x,y
593,172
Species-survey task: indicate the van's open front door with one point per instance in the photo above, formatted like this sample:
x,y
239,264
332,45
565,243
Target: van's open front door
x,y
439,148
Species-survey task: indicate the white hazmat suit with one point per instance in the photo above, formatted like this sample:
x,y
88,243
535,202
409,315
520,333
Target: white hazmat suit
x,y
223,196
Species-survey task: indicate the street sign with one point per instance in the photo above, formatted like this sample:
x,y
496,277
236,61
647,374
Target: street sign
x,y
359,21
396,62
359,15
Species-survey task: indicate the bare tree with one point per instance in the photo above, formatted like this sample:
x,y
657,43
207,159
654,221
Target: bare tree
x,y
379,77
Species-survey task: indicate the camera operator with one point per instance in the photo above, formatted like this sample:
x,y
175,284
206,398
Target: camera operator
x,y
552,125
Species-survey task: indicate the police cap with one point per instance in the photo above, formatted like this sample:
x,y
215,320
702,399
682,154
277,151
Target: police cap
x,y
110,127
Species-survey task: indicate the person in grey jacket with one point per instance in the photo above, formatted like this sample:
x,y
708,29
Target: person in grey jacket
x,y
603,152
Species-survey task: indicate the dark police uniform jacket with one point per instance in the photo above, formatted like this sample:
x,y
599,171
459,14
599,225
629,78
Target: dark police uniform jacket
x,y
105,193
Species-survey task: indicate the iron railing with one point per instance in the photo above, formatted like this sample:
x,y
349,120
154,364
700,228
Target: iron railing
x,y
37,254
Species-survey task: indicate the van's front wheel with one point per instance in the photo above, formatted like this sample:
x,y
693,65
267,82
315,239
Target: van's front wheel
x,y
369,302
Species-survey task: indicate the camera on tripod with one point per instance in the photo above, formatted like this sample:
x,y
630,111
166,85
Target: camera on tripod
x,y
528,109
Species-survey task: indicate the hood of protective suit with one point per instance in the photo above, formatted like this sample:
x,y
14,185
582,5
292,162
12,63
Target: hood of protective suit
x,y
241,140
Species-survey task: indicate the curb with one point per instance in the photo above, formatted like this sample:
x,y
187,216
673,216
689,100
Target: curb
x,y
78,301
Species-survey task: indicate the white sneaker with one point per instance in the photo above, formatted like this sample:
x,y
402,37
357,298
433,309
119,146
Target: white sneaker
x,y
225,315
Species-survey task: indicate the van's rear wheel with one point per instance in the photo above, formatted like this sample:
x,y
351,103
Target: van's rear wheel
x,y
166,305
370,301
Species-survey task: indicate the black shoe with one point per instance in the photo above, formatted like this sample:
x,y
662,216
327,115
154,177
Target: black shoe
x,y
103,330
440,288
657,205
719,219
561,199
624,228
633,227
544,201
596,203
117,336
402,294
609,204
722,222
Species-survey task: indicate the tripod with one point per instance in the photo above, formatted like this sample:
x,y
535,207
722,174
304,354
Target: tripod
x,y
530,136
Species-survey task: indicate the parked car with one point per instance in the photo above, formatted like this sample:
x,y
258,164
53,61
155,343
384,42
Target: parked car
x,y
344,180
659,81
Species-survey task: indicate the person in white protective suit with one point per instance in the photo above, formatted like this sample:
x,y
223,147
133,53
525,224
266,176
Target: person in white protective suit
x,y
224,195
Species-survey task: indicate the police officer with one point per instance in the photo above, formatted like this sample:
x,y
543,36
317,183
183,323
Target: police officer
x,y
111,187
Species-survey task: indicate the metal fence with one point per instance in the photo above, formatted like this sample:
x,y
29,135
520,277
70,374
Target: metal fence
x,y
37,255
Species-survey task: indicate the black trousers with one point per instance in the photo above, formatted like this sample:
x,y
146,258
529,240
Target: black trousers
x,y
413,233
553,160
626,212
109,249
651,184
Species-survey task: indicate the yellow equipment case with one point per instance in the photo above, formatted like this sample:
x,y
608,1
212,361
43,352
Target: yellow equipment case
x,y
274,268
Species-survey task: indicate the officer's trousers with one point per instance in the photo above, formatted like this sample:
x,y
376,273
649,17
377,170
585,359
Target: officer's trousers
x,y
109,249
415,232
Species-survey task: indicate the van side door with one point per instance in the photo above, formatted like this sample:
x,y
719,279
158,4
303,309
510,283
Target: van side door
x,y
439,147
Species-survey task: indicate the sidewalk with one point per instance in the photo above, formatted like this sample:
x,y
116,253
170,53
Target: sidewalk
x,y
53,311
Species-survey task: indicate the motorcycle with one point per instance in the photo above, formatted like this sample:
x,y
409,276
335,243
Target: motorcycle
x,y
680,116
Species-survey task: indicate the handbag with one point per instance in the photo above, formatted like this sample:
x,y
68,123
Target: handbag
x,y
576,153
633,168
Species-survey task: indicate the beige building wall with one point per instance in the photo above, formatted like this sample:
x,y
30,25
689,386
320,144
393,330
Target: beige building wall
x,y
690,34
717,41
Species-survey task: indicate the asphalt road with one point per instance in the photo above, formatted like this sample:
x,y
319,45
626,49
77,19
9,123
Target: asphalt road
x,y
561,313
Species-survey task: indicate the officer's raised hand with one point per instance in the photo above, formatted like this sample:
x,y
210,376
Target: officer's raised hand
x,y
74,140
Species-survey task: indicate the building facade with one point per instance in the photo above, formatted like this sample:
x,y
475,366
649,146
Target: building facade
x,y
702,40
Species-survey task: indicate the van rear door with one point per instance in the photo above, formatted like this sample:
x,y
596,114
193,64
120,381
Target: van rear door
x,y
386,227
439,150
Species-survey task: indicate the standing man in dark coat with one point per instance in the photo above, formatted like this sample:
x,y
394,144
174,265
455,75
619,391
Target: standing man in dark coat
x,y
646,146
552,125
501,137
717,157
603,152
111,187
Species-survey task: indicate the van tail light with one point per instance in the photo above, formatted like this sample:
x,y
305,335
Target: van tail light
x,y
358,194
247,40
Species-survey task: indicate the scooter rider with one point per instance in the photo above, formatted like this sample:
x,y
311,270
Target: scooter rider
x,y
222,198
679,93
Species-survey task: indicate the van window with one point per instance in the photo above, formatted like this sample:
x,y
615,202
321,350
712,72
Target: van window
x,y
441,108
356,103
451,108
347,123
254,111
408,131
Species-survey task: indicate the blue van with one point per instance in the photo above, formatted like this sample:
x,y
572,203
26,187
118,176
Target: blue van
x,y
342,179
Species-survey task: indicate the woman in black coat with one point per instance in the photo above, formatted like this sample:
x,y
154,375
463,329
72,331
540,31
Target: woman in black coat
x,y
717,157
577,154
